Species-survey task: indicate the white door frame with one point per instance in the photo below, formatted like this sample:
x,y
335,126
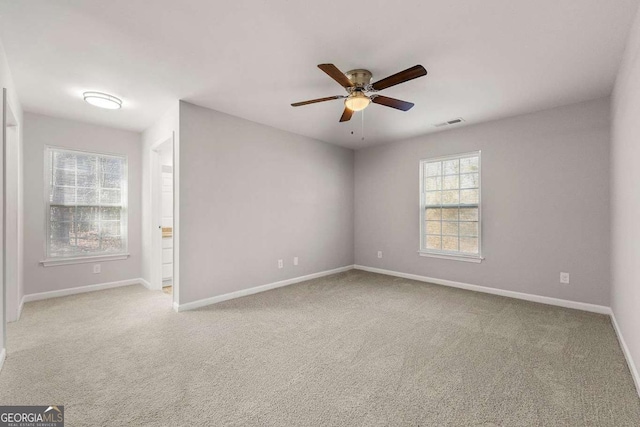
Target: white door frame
x,y
3,303
156,217
12,213
11,216
10,303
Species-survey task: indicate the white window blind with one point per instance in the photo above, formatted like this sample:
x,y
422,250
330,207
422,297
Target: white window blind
x,y
86,204
450,205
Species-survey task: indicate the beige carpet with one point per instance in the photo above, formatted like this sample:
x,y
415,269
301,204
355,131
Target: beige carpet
x,y
354,349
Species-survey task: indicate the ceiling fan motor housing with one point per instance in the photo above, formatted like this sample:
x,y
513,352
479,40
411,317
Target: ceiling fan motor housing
x,y
360,78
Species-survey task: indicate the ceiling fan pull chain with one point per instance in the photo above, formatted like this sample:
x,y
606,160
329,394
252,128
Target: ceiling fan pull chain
x,y
362,112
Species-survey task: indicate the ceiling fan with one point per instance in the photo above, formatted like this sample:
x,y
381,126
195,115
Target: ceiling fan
x,y
361,91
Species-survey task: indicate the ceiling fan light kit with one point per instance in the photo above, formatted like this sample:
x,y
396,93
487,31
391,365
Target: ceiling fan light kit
x,y
357,101
361,92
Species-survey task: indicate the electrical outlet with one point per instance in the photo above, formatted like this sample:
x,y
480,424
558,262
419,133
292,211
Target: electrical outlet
x,y
280,263
379,254
295,260
97,268
564,278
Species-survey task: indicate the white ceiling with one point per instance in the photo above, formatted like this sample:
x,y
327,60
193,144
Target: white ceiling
x,y
486,59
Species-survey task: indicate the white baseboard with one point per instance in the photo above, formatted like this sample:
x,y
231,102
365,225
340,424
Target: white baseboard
x,y
3,355
146,284
601,309
176,307
627,353
213,300
12,316
80,290
20,307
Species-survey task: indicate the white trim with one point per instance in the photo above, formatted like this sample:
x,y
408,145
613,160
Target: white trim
x,y
124,196
156,212
145,283
20,307
476,259
3,356
82,260
176,219
627,354
80,290
451,156
11,222
439,253
244,292
601,309
176,307
3,212
156,217
18,312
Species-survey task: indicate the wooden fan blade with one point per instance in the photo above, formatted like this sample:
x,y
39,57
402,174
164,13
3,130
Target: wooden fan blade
x,y
401,77
392,102
313,101
346,115
336,74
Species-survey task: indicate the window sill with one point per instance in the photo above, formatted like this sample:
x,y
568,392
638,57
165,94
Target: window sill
x,y
471,258
52,262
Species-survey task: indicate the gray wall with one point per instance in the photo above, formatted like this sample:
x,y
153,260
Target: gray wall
x,y
40,131
625,197
545,194
251,195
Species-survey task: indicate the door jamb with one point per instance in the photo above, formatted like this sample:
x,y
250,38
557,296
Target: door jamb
x,y
156,216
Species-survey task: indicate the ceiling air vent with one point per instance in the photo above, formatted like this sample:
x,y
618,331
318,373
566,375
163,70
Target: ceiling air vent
x,y
450,122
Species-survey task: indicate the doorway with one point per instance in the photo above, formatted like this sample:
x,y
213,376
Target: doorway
x,y
163,216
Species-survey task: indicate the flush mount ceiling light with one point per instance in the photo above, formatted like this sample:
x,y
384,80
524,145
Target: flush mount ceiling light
x,y
102,100
357,101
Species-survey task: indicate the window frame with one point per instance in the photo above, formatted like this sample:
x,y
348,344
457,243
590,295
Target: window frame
x,y
433,253
50,260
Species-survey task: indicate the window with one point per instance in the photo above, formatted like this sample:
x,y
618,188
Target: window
x,y
450,207
86,204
